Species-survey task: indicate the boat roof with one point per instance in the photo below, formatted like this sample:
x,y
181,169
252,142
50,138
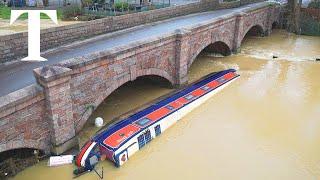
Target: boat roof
x,y
118,133
117,137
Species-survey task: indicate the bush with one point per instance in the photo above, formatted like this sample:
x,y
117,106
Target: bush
x,y
309,26
314,4
119,6
87,3
69,12
5,12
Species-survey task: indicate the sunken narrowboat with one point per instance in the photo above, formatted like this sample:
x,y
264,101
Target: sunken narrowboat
x,y
122,139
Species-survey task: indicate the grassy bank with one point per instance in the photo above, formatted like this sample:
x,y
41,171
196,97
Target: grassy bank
x,y
6,11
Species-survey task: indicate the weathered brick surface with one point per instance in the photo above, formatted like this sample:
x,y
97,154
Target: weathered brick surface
x,y
21,120
56,83
313,12
60,108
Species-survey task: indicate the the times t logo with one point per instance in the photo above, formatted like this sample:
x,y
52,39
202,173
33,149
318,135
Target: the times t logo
x,y
33,30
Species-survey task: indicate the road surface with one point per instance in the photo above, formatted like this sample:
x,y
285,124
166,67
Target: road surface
x,y
20,76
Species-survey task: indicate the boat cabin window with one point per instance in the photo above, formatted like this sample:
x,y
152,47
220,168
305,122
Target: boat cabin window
x,y
95,150
170,107
147,136
143,121
141,141
157,130
189,97
221,80
206,88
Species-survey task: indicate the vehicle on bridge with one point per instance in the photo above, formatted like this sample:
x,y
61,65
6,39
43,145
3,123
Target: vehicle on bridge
x,y
122,139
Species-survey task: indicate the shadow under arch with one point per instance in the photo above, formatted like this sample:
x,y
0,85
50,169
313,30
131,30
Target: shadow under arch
x,y
128,96
255,30
218,47
275,25
13,161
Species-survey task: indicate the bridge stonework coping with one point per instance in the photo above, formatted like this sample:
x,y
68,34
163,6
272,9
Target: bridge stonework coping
x,y
68,92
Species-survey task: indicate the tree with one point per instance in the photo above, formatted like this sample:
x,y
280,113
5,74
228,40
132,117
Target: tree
x,y
294,16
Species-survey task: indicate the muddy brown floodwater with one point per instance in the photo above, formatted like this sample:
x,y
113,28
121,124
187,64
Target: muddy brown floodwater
x,y
265,125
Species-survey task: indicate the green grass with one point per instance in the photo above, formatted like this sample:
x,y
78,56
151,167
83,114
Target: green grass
x,y
6,11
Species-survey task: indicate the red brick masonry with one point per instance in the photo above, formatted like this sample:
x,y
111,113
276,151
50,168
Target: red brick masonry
x,y
315,13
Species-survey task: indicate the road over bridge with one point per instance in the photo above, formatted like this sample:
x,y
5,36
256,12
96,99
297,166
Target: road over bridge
x,y
51,104
20,76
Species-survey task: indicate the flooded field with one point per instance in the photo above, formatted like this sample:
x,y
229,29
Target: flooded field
x,y
265,125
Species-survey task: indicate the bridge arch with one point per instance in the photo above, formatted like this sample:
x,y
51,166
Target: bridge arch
x,y
220,47
18,144
275,24
120,82
15,160
156,72
253,30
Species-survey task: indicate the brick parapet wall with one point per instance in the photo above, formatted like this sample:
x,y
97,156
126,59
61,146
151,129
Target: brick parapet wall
x,y
22,122
244,2
20,99
313,12
14,46
231,4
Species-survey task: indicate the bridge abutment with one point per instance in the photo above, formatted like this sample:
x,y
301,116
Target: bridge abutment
x,y
237,34
56,83
182,56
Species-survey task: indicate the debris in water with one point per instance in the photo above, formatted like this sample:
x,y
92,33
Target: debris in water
x,y
98,122
60,160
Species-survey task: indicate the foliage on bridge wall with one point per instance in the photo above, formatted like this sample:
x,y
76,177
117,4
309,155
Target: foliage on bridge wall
x,y
310,21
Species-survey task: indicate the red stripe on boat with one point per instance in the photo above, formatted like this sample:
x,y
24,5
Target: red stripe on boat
x,y
198,92
213,84
182,101
115,139
158,114
83,150
229,75
176,104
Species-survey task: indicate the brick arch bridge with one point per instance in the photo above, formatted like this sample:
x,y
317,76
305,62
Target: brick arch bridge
x,y
102,93
50,117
